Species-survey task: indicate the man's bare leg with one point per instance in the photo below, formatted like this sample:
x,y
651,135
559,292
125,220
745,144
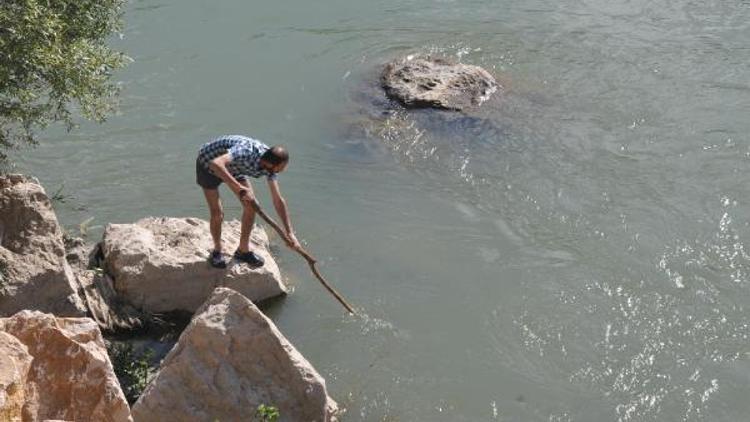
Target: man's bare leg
x,y
217,215
248,219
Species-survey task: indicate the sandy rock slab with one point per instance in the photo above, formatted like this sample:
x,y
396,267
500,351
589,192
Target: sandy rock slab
x,y
229,360
437,83
15,362
68,374
33,271
160,264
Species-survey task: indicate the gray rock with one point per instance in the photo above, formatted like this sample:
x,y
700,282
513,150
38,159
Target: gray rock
x,y
109,310
437,83
160,264
80,255
229,360
33,271
105,306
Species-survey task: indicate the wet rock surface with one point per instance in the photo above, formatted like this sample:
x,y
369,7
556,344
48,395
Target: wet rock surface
x,y
230,359
159,264
377,124
418,82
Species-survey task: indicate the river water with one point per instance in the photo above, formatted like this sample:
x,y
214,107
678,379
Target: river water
x,y
577,254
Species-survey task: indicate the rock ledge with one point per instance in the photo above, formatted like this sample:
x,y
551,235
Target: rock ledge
x,y
159,264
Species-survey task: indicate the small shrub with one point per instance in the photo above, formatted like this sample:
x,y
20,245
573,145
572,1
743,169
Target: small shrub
x,y
59,196
132,371
3,274
267,413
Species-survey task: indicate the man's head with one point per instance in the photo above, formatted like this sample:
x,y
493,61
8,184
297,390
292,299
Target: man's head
x,y
275,159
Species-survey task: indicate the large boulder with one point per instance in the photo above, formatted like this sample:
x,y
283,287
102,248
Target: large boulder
x,y
160,264
437,83
15,362
33,271
70,376
227,362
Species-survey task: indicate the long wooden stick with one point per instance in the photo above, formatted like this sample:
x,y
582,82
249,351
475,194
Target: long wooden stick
x,y
311,261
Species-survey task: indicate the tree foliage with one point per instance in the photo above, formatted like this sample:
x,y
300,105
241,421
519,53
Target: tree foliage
x,y
55,63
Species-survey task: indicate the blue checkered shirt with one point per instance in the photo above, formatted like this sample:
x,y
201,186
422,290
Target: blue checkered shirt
x,y
244,156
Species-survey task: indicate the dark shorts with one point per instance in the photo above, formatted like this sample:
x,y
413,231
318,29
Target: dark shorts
x,y
205,179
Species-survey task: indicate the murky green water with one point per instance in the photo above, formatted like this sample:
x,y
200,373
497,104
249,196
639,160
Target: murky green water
x,y
576,255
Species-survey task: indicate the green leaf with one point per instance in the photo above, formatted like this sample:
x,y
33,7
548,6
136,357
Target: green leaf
x,y
54,58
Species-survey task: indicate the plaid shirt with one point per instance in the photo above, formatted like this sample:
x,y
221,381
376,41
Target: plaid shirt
x,y
244,156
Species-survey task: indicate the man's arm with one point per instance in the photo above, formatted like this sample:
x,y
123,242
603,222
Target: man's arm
x,y
281,209
219,166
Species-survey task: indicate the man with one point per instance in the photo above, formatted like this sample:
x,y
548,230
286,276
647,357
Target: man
x,y
232,159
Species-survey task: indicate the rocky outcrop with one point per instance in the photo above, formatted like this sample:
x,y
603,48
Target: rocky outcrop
x,y
40,269
70,377
437,83
96,288
160,264
33,271
229,360
80,255
105,306
15,362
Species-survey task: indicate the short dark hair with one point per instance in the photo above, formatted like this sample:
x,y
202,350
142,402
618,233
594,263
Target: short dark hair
x,y
275,155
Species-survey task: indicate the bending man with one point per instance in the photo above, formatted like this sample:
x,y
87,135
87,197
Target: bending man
x,y
232,159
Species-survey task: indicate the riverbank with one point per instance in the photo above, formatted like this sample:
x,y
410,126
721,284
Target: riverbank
x,y
128,283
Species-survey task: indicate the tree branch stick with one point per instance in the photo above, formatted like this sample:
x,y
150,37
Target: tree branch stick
x,y
311,261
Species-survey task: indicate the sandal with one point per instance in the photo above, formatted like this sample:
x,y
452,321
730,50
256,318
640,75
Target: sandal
x,y
217,259
250,258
